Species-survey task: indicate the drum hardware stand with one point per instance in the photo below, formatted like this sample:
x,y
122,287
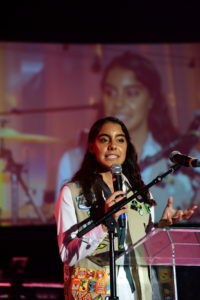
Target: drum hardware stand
x,y
15,171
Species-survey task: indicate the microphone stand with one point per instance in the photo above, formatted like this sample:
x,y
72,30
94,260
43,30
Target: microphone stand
x,y
110,222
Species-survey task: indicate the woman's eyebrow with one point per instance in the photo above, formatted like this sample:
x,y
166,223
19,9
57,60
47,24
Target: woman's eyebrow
x,y
132,85
106,134
103,134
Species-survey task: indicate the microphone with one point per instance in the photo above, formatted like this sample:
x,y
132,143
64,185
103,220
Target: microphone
x,y
184,160
116,171
185,143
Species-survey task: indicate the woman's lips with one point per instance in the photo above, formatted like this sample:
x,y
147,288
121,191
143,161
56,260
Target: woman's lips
x,y
121,117
111,156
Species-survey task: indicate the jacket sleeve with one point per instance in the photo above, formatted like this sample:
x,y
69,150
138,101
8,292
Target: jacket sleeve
x,y
71,248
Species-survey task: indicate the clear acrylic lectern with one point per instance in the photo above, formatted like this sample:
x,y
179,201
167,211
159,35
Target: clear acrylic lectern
x,y
166,247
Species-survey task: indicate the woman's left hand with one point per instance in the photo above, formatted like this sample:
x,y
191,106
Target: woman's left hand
x,y
172,216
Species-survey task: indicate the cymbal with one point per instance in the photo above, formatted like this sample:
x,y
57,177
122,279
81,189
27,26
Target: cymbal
x,y
11,134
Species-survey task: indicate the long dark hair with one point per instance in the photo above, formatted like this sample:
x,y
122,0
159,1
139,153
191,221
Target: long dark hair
x,y
90,167
145,72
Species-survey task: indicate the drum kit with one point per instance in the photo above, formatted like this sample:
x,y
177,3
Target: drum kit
x,y
15,169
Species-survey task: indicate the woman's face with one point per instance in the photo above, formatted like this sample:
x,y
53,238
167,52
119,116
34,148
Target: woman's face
x,y
110,145
126,98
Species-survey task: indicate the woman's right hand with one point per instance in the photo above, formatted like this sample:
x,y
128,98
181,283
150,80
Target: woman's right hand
x,y
112,200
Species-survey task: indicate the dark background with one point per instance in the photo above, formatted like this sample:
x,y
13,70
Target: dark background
x,y
108,21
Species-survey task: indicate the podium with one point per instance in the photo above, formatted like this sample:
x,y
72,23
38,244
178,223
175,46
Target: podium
x,y
166,249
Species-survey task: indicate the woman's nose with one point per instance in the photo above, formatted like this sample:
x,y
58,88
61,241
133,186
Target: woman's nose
x,y
119,101
112,146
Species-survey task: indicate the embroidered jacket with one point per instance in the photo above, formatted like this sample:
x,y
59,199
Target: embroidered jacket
x,y
86,259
